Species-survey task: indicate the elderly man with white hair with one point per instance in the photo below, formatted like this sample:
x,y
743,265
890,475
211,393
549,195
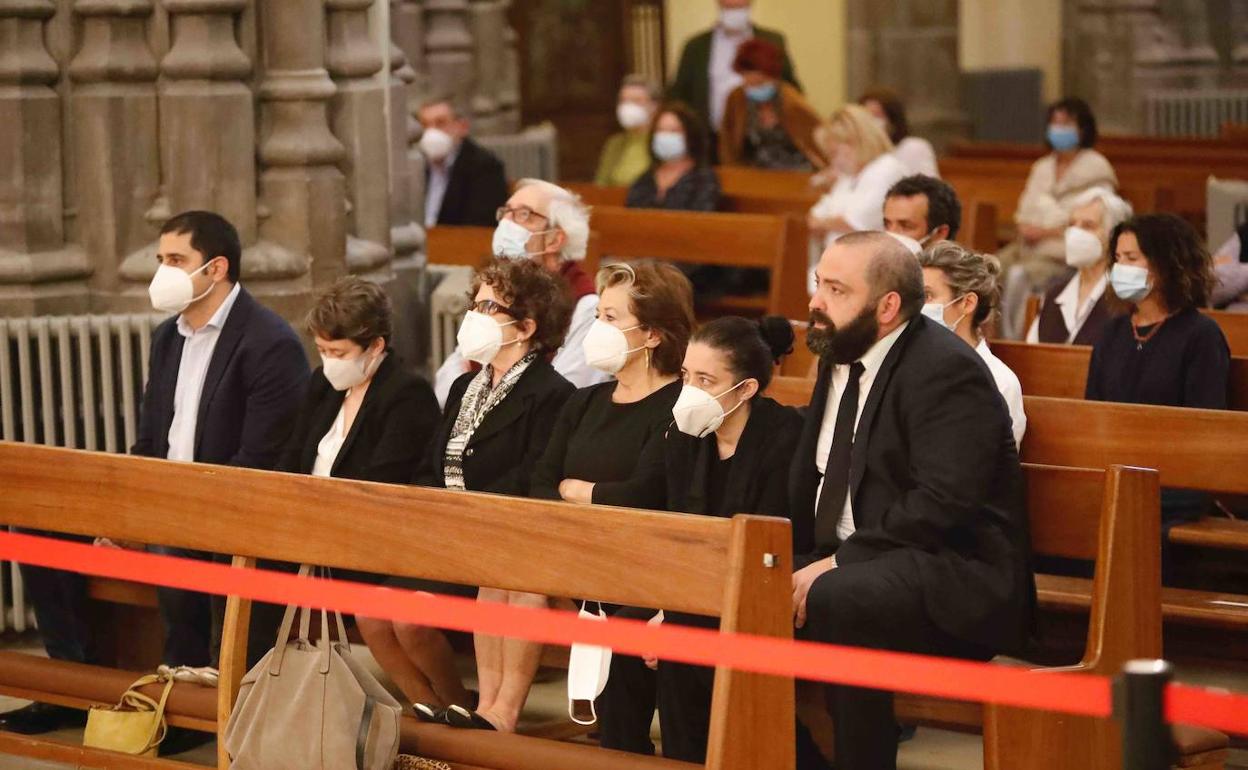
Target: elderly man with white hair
x,y
550,225
1075,310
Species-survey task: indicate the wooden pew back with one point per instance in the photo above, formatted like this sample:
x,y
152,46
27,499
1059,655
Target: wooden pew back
x,y
1061,371
1235,327
696,564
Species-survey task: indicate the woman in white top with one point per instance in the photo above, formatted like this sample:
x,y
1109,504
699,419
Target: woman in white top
x,y
961,289
864,169
1043,213
889,113
1075,311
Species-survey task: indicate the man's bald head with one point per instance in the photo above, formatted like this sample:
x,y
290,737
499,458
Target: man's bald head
x,y
890,267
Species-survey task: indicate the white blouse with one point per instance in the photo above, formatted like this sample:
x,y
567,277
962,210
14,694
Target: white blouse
x,y
331,444
859,199
1010,388
918,156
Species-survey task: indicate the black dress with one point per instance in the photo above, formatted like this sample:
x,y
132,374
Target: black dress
x,y
696,190
605,443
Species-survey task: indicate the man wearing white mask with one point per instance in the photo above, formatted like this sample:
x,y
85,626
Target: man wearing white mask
x,y
549,225
464,182
1075,310
705,77
226,377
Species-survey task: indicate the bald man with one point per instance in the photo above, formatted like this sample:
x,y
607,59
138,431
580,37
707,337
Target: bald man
x,y
906,491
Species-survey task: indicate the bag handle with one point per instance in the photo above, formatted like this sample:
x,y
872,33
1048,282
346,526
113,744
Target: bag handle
x,y
134,700
283,632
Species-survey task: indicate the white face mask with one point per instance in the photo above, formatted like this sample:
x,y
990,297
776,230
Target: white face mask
x,y
588,668
631,115
172,290
734,19
936,312
511,240
436,144
346,373
1083,249
481,337
606,347
700,414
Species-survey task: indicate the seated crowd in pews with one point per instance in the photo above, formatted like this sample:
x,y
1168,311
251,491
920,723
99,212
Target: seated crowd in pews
x,y
901,478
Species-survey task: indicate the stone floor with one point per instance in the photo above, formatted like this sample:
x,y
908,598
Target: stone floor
x,y
930,749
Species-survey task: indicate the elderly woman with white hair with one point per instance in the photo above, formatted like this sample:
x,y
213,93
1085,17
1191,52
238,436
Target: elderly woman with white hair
x,y
550,225
1076,310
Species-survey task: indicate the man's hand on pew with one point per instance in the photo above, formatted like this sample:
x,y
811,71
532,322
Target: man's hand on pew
x,y
803,579
126,545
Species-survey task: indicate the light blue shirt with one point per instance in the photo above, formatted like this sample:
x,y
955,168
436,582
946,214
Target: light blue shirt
x,y
197,350
439,178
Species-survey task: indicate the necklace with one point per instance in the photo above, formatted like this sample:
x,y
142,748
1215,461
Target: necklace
x,y
1140,340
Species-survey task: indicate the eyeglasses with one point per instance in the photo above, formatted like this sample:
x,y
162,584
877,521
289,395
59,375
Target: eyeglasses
x,y
490,307
521,215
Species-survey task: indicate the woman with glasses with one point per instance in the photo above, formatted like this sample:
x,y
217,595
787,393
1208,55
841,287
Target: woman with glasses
x,y
495,426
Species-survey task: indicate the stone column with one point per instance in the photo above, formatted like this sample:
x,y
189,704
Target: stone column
x,y
488,31
302,207
509,81
38,273
448,49
115,134
358,119
406,235
407,27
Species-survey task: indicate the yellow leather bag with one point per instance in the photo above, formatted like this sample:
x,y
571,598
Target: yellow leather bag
x,y
136,725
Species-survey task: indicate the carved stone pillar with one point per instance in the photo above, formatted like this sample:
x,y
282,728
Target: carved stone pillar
x,y
38,274
406,235
488,31
509,81
302,192
448,49
407,26
358,119
116,143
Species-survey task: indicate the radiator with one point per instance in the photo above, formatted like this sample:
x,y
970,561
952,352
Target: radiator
x,y
69,381
1193,113
446,309
530,154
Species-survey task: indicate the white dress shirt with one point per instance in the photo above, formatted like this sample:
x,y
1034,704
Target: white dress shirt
x,y
871,362
1074,314
569,360
192,369
1010,388
435,191
723,79
331,444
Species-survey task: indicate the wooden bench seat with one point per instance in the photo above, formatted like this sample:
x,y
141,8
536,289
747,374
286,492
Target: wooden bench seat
x,y
698,564
1205,608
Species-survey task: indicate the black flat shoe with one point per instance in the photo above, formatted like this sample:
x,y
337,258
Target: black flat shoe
x,y
38,718
430,714
458,716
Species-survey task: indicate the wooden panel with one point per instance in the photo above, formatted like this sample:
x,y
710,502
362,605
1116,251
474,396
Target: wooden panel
x,y
791,185
1211,532
1064,508
1235,327
80,756
459,245
791,391
1057,371
397,530
736,240
1192,448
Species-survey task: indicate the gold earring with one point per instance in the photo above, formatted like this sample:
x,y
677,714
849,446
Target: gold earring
x,y
647,359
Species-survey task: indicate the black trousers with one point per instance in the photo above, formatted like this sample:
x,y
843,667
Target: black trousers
x,y
626,707
60,603
877,605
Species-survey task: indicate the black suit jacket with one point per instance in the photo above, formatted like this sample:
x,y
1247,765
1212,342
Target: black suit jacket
x,y
255,377
759,482
934,472
476,189
501,454
388,436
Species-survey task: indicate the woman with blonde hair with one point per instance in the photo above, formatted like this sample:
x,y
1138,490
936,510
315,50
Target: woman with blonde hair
x,y
863,167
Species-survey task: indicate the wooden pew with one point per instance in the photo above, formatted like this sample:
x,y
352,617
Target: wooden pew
x,y
472,246
696,564
776,244
1061,371
1235,327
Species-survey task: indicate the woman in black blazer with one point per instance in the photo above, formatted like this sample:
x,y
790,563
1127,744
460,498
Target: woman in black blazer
x,y
495,427
728,452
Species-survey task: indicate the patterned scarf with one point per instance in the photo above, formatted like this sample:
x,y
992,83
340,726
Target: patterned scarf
x,y
479,399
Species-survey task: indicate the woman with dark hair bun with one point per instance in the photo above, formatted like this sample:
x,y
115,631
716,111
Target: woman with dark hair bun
x,y
728,451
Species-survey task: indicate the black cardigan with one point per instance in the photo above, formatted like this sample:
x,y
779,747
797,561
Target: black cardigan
x,y
501,454
387,437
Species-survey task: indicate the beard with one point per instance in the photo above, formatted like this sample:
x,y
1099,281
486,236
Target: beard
x,y
846,344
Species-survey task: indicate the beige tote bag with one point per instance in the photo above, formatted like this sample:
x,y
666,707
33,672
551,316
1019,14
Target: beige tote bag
x,y
308,706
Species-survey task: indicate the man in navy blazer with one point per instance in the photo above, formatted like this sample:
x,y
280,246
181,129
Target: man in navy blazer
x,y
226,375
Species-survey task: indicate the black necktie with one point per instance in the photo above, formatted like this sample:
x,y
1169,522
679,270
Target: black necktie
x,y
836,473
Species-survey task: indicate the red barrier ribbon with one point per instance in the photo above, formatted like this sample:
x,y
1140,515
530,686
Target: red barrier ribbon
x,y
1080,694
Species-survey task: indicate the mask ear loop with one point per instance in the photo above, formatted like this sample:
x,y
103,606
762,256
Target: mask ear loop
x,y
200,269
